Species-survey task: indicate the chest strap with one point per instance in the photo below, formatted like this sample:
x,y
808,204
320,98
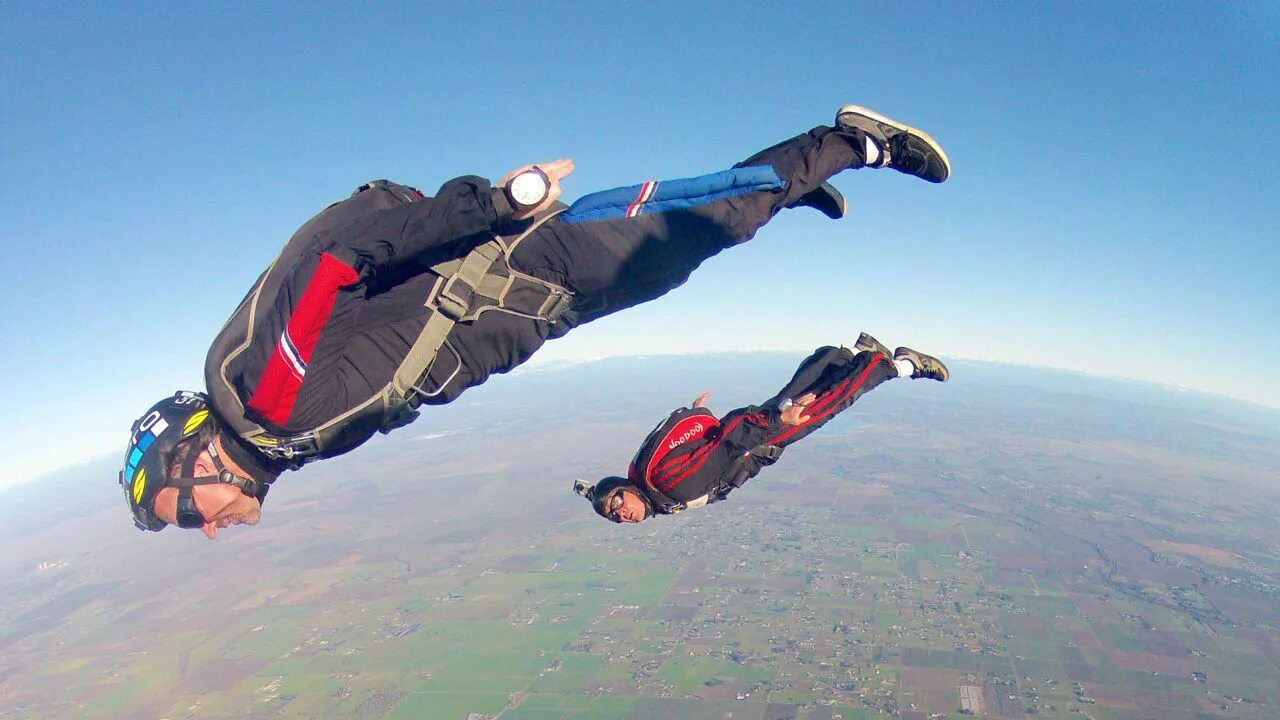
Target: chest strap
x,y
480,282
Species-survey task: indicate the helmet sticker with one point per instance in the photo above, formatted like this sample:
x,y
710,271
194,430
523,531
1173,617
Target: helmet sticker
x,y
139,485
194,422
152,425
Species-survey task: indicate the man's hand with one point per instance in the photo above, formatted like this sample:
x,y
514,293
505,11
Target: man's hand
x,y
794,413
556,170
701,400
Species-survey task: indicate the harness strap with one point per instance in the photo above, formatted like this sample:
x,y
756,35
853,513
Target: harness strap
x,y
482,280
768,452
422,354
463,278
738,475
478,282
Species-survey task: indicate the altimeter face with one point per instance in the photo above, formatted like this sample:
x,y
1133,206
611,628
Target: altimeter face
x,y
529,188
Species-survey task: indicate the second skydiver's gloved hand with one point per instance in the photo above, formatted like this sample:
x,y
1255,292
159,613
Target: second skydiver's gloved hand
x,y
701,400
556,170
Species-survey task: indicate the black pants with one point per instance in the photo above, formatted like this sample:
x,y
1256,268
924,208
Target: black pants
x,y
835,375
838,377
617,262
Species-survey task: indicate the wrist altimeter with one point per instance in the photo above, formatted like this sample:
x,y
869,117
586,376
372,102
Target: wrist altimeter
x,y
528,189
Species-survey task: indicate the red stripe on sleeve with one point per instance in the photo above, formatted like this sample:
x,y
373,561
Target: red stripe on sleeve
x,y
278,387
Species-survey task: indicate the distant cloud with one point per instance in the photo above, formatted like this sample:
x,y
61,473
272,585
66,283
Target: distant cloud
x,y
436,435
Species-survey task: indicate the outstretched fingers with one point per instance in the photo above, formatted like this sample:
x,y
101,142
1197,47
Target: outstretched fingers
x,y
557,169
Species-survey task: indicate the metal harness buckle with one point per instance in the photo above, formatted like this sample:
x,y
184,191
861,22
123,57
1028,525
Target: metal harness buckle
x,y
298,449
451,302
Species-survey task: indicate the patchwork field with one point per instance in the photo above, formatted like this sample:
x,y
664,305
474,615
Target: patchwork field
x,y
1007,554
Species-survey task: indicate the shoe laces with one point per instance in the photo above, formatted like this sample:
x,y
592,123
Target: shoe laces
x,y
904,156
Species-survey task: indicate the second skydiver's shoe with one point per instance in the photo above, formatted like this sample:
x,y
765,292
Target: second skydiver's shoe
x,y
926,366
825,199
902,147
866,343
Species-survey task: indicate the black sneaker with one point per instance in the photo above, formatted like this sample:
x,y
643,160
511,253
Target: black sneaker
x,y
902,147
866,343
926,366
825,199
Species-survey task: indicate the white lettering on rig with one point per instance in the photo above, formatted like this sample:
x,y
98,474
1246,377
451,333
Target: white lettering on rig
x,y
693,432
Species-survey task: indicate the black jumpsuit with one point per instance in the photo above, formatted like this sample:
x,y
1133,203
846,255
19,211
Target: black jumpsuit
x,y
347,305
745,440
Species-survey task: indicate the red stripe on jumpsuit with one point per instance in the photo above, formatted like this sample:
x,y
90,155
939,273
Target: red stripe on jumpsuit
x,y
278,387
695,460
688,430
830,398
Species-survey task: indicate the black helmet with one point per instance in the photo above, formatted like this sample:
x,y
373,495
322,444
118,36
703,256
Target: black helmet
x,y
603,491
152,441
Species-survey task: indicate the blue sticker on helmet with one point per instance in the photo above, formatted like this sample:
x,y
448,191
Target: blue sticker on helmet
x,y
152,426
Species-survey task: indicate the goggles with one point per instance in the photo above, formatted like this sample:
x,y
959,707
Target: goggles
x,y
614,504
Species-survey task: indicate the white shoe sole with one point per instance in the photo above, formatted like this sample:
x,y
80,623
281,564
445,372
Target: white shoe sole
x,y
869,113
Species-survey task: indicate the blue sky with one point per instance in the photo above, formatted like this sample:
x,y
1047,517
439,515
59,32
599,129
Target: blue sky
x,y
1113,209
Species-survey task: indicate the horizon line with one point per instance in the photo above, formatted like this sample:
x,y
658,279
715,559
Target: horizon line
x,y
553,364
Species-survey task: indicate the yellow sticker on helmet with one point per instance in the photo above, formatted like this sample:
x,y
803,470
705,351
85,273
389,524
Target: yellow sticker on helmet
x,y
139,485
195,421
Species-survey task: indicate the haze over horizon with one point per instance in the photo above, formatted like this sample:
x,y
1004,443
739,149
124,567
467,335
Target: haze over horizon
x,y
1112,208
1017,375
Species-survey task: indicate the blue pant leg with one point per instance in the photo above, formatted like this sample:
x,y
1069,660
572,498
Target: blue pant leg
x,y
622,247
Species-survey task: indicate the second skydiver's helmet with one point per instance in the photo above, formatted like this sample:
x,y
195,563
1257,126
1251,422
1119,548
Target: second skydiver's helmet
x,y
603,495
156,438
